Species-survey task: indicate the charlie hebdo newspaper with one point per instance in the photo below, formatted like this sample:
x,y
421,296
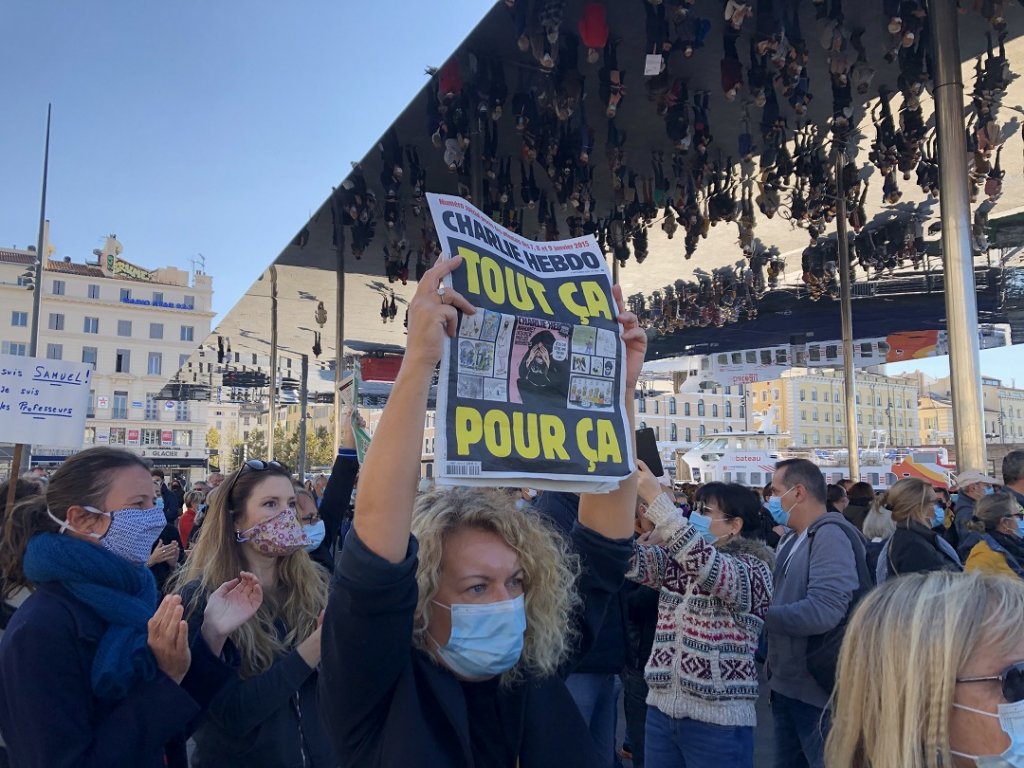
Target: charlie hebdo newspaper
x,y
531,389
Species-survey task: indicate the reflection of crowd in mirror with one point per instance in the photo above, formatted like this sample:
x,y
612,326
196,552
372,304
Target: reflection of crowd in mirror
x,y
531,126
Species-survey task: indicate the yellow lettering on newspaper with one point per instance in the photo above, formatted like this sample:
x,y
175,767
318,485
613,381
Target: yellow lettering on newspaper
x,y
594,300
487,276
597,442
469,429
528,434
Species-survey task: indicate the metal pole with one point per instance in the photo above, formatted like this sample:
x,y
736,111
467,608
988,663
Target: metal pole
x,y
41,244
303,404
37,289
846,310
339,346
272,413
958,260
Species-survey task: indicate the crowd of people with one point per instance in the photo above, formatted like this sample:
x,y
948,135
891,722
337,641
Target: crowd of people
x,y
260,619
271,624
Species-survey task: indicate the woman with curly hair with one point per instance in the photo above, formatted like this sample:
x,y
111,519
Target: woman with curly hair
x,y
455,616
266,715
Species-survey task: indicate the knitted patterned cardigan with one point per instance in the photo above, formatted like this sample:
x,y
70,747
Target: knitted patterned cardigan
x,y
711,609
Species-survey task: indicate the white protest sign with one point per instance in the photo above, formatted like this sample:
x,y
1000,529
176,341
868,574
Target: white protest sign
x,y
43,402
652,65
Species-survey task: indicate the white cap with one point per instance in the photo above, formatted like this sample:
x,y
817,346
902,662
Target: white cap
x,y
972,476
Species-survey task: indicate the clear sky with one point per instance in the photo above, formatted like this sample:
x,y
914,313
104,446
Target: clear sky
x,y
1006,363
201,127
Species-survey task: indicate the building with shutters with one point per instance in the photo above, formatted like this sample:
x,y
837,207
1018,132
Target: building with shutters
x,y
136,326
809,407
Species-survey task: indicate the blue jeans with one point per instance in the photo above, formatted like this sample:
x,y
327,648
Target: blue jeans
x,y
800,733
597,696
686,743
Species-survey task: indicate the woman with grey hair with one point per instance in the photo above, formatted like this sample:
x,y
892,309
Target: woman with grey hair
x,y
878,524
999,521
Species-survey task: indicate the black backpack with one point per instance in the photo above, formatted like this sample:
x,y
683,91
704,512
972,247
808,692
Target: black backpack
x,y
823,649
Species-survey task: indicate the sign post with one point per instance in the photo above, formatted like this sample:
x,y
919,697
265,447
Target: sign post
x,y
12,482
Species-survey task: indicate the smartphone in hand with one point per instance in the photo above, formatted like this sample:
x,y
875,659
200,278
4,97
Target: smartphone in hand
x,y
647,451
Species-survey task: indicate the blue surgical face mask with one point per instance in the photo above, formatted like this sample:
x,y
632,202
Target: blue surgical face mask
x,y
703,525
779,514
939,516
1011,720
1020,527
486,639
989,490
315,533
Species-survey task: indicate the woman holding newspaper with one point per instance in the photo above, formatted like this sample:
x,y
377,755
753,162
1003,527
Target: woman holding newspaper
x,y
454,616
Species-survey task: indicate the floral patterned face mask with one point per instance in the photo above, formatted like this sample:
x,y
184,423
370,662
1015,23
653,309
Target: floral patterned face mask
x,y
279,536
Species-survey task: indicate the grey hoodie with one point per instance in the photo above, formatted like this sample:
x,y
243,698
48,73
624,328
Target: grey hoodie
x,y
812,594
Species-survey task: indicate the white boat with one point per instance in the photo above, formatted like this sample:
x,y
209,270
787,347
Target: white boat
x,y
749,458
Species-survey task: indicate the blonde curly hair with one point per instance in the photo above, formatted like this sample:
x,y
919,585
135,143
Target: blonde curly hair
x,y
550,570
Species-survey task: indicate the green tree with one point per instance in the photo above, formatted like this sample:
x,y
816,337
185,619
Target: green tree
x,y
286,447
213,439
256,444
320,448
229,459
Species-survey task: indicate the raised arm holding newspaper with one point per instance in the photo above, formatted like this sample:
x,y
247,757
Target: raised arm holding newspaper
x,y
455,615
532,388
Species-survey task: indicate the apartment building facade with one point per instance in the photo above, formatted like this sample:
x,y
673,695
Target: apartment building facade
x,y
809,405
136,327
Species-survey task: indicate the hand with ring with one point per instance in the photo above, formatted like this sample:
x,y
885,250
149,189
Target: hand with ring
x,y
430,318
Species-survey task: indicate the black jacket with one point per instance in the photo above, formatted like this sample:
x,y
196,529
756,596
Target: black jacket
x,y
641,622
335,506
914,548
609,654
267,721
172,503
387,704
162,572
50,716
856,511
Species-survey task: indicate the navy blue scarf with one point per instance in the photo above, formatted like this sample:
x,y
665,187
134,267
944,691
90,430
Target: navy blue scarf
x,y
122,594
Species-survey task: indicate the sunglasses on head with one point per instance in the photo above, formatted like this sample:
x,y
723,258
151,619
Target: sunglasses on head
x,y
1011,680
253,465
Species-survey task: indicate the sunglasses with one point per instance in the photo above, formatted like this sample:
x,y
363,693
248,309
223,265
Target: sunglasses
x,y
253,465
1011,680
